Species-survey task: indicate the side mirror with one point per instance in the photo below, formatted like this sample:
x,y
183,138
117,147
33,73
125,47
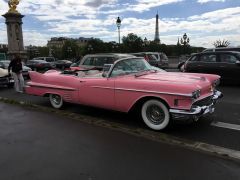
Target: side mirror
x,y
238,63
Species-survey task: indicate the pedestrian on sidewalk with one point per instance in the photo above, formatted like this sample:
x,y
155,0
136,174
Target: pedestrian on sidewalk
x,y
16,67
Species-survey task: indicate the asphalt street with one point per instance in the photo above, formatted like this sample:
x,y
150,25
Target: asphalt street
x,y
41,145
205,130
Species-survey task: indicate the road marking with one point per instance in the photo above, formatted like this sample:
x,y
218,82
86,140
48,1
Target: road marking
x,y
226,125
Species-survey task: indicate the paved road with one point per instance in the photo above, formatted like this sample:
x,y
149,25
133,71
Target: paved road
x,y
37,145
227,111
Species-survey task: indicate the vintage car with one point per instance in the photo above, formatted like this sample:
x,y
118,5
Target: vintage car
x,y
131,83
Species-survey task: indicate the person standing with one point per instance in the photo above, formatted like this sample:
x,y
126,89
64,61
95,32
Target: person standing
x,y
16,67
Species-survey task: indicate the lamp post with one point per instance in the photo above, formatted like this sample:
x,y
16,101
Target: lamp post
x,y
51,52
114,47
185,41
145,43
118,22
69,50
90,48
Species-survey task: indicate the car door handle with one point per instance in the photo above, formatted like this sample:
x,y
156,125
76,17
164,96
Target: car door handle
x,y
81,81
222,66
199,65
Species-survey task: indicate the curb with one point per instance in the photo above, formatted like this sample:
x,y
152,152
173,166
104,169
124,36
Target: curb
x,y
148,134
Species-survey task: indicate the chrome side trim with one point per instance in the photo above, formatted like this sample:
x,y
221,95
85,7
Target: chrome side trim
x,y
144,91
51,87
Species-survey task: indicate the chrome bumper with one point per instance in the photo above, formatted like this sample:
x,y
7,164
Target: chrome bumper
x,y
197,111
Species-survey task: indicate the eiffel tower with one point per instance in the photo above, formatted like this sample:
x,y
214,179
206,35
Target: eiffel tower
x,y
156,38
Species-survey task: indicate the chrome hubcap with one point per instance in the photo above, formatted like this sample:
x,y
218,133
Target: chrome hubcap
x,y
56,99
155,114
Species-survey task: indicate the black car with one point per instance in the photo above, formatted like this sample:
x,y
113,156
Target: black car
x,y
62,64
224,63
97,61
38,65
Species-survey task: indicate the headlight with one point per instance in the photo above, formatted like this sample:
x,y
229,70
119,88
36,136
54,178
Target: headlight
x,y
196,94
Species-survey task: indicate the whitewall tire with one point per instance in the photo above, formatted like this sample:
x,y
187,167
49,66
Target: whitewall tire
x,y
155,114
56,101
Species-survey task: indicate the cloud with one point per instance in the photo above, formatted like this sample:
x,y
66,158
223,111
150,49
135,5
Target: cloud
x,y
97,18
99,3
206,1
146,5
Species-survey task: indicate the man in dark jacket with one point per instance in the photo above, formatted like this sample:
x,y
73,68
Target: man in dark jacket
x,y
16,67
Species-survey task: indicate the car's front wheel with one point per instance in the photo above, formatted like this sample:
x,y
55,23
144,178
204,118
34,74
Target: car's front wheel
x,y
155,114
56,101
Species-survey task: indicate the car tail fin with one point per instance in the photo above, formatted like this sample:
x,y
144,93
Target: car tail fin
x,y
35,76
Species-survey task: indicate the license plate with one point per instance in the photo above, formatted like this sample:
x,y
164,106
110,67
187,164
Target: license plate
x,y
11,81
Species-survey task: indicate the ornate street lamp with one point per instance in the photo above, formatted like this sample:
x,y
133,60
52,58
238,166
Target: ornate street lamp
x,y
90,48
114,46
118,22
185,41
51,52
69,50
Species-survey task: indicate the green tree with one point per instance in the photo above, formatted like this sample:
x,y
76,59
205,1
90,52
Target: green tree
x,y
69,49
132,43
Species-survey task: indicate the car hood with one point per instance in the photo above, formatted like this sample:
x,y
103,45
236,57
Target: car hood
x,y
178,77
3,72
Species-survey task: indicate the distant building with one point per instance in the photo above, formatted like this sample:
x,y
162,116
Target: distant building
x,y
157,38
58,42
3,46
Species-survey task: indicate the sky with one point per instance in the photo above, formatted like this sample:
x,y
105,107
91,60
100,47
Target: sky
x,y
204,21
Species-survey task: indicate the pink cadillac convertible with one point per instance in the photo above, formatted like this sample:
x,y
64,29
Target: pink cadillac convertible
x,y
131,83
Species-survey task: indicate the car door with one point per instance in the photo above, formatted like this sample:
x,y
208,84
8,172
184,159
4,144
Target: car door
x,y
97,91
192,64
208,63
230,70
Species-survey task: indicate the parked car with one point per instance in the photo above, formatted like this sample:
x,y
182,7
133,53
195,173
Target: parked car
x,y
97,61
224,63
5,79
50,60
157,59
131,83
5,63
63,64
38,65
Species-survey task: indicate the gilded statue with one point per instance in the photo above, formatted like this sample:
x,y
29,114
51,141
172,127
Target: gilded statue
x,y
13,6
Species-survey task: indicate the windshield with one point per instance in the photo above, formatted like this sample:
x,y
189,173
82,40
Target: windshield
x,y
131,66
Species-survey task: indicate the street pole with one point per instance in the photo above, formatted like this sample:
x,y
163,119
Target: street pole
x,y
118,22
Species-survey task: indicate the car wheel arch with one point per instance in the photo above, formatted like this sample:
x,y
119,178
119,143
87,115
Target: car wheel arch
x,y
138,103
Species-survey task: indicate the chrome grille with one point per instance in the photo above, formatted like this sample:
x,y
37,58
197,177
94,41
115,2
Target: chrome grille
x,y
204,102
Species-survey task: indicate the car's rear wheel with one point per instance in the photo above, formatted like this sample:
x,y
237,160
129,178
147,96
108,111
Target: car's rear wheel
x,y
56,101
155,114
